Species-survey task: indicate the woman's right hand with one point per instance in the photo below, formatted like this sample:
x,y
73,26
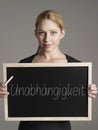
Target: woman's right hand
x,y
3,90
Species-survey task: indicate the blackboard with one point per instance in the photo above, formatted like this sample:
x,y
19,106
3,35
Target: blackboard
x,y
48,91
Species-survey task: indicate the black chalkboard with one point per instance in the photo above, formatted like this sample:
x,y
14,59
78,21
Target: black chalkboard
x,y
47,91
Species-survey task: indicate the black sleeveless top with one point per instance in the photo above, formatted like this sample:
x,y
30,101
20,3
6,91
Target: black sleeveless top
x,y
45,125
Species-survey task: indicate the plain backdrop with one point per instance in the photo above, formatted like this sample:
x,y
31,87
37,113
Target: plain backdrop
x,y
17,40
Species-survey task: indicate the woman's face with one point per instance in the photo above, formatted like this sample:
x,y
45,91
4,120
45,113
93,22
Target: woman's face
x,y
49,35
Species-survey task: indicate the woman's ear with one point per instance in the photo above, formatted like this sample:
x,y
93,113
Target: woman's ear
x,y
63,33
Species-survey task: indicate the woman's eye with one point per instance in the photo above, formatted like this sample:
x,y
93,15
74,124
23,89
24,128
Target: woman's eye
x,y
53,33
41,33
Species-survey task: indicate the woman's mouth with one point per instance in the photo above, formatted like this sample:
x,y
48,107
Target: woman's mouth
x,y
47,45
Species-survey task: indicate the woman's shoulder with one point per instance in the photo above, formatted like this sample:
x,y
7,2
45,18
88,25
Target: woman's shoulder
x,y
30,58
71,59
27,59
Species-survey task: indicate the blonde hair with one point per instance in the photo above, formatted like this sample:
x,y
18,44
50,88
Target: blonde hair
x,y
51,15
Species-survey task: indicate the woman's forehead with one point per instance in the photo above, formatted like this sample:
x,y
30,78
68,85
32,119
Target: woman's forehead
x,y
48,24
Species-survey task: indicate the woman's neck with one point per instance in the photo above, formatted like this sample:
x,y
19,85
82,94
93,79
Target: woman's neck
x,y
50,57
51,54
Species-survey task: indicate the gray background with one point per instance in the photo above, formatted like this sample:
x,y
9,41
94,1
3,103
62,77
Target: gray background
x,y
17,40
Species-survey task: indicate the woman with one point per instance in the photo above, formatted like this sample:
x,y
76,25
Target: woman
x,y
49,31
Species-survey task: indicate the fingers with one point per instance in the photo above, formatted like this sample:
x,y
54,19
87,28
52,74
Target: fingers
x,y
1,85
3,91
3,94
92,90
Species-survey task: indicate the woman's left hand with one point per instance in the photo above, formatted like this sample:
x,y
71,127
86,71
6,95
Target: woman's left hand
x,y
92,90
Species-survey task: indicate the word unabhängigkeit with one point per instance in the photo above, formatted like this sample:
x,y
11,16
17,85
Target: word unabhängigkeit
x,y
54,91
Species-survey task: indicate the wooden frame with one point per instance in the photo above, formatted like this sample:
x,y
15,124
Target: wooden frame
x,y
60,68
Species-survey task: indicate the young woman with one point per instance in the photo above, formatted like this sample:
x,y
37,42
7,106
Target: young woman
x,y
49,30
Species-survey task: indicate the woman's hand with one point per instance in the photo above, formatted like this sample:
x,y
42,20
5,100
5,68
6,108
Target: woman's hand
x,y
3,90
92,90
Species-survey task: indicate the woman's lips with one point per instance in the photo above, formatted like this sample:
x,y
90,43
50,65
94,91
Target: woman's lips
x,y
47,45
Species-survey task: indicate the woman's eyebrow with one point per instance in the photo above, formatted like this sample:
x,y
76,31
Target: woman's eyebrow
x,y
49,30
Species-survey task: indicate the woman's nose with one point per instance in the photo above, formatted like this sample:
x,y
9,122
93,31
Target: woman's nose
x,y
47,37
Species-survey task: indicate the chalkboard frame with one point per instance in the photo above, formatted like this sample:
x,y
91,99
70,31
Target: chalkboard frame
x,y
74,65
